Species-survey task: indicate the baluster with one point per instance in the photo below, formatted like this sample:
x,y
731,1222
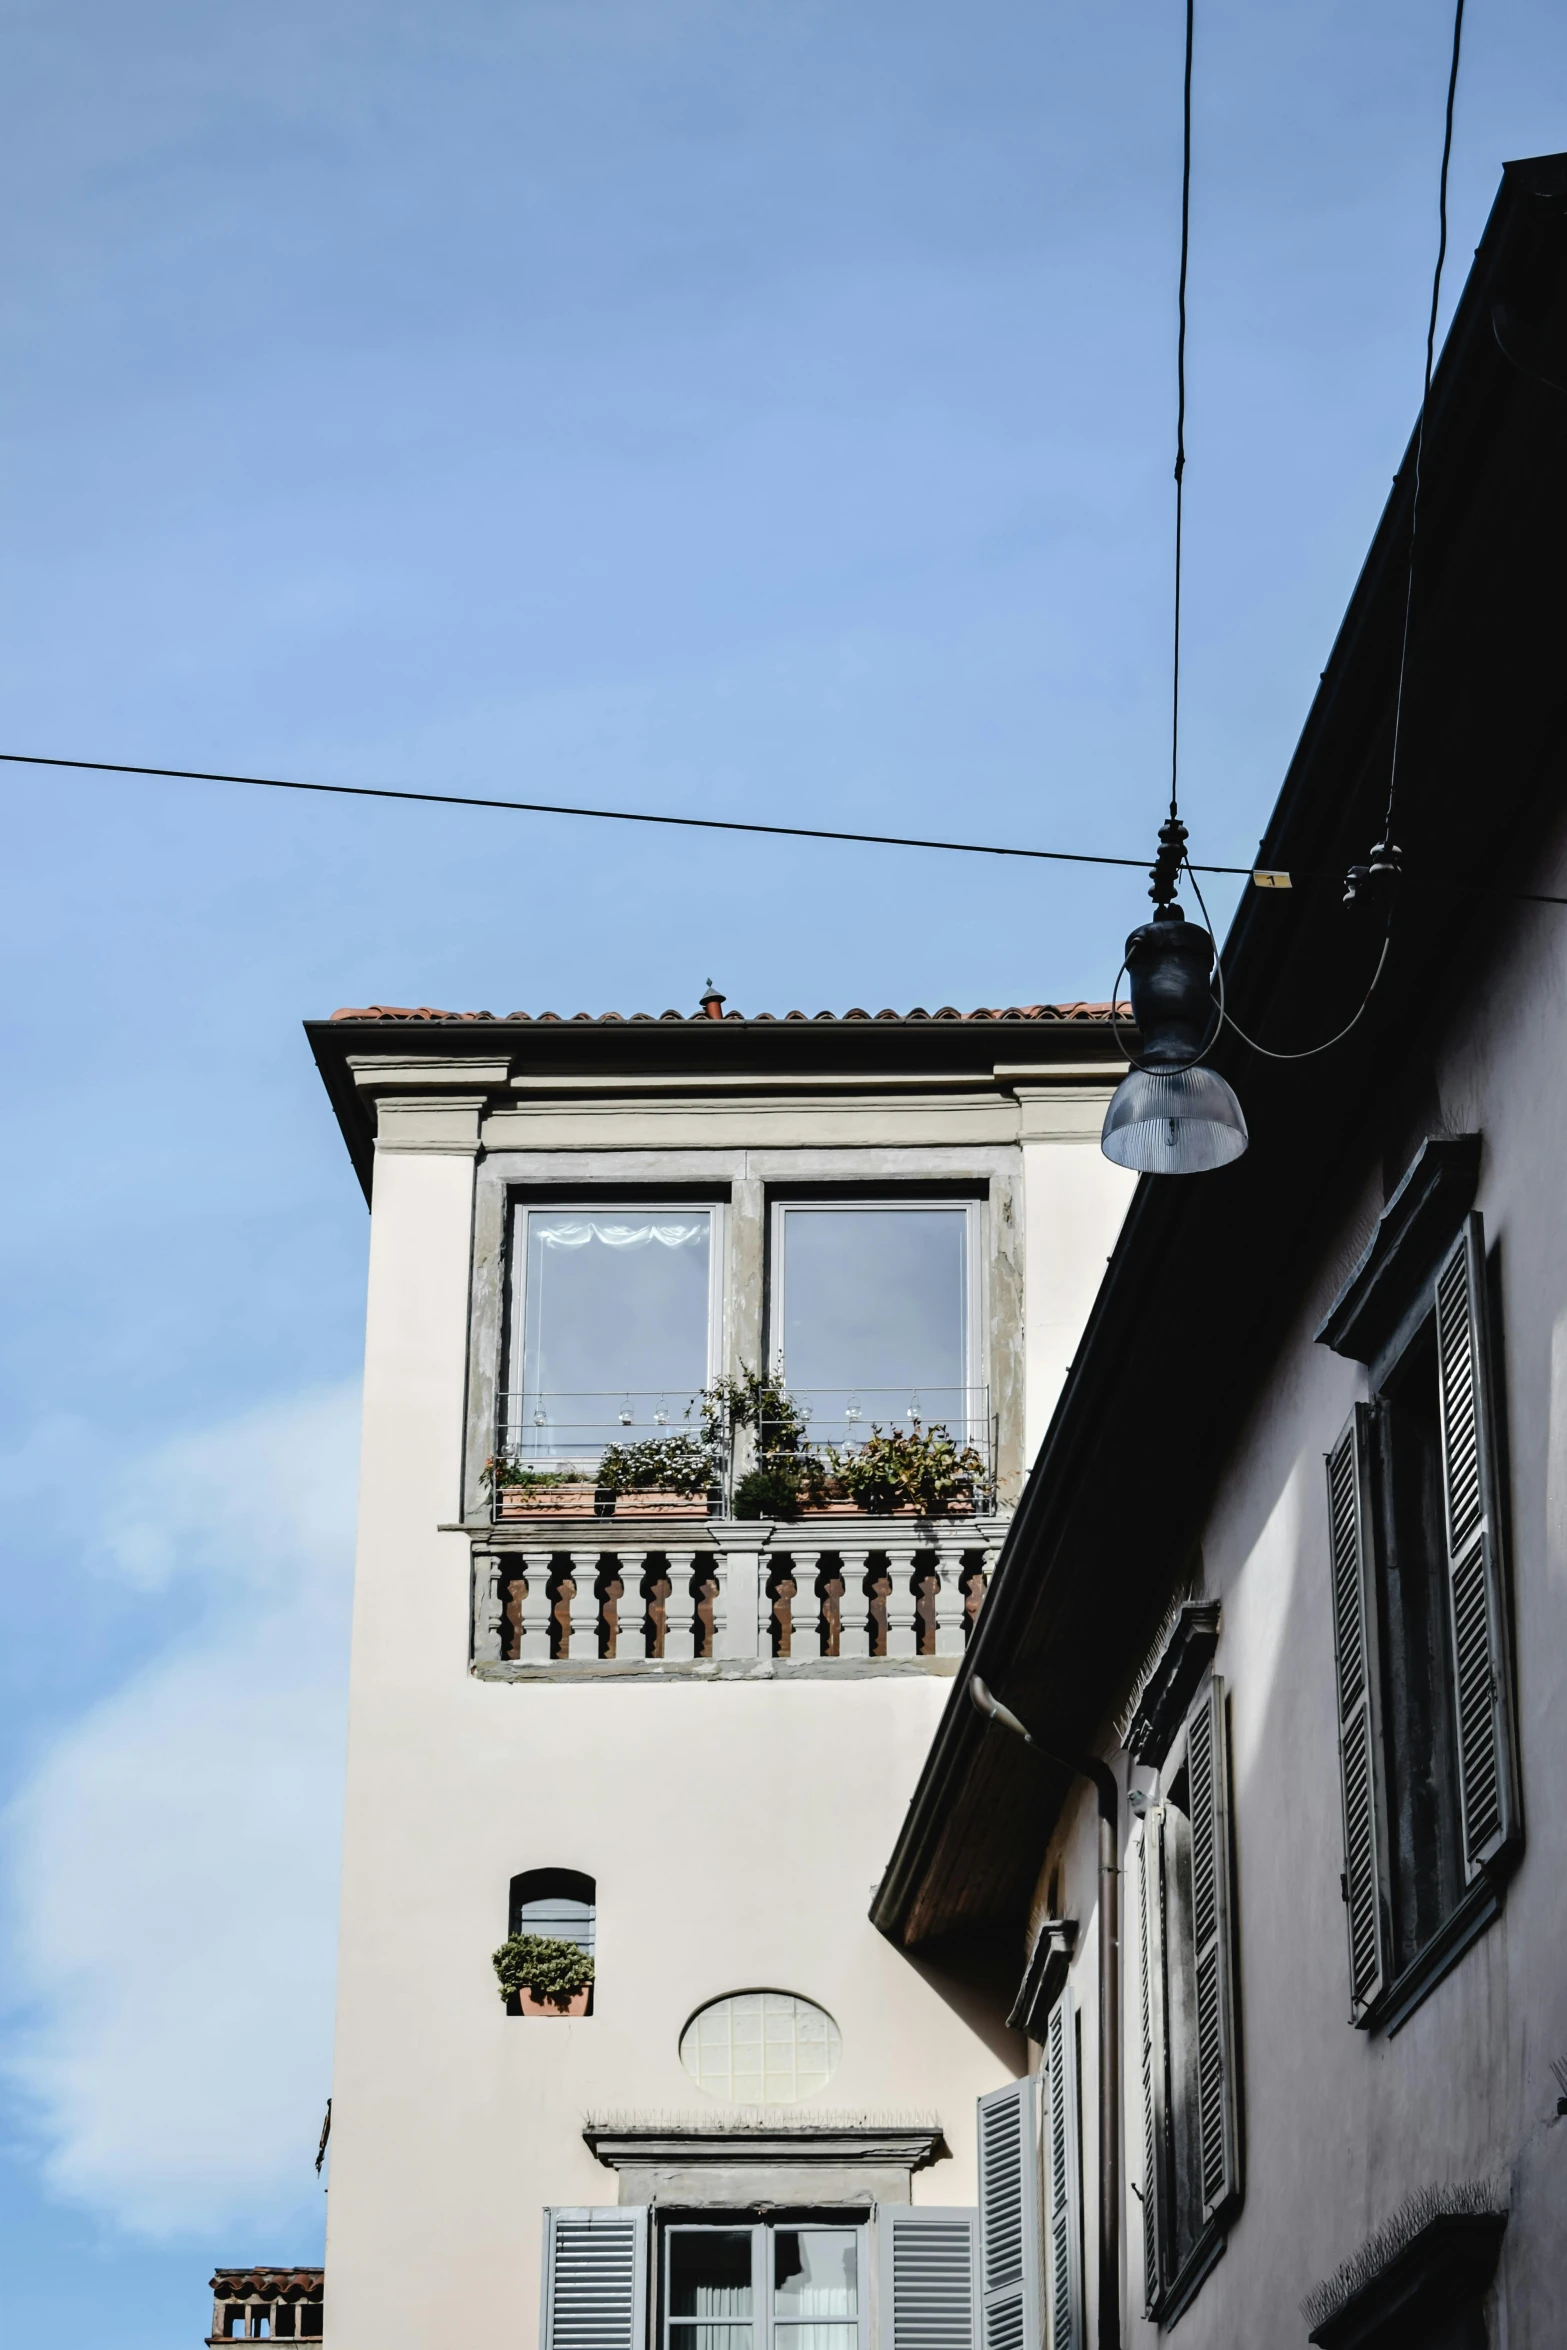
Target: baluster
x,y
825,1581
489,1609
533,1642
978,1584
854,1638
780,1591
951,1618
679,1609
585,1606
616,1574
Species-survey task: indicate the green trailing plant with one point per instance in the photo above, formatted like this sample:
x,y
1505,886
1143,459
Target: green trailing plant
x,y
919,1468
550,1969
759,1400
781,1486
667,1464
502,1474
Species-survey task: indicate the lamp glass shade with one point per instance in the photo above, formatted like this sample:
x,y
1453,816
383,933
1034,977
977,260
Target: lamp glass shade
x,y
1173,1122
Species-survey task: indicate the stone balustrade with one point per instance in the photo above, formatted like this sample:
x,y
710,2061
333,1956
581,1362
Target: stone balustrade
x,y
731,1596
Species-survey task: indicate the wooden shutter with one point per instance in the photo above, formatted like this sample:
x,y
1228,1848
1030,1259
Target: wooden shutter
x,y
1477,1600
1361,1766
1009,2217
1148,1867
929,2275
1063,2179
1213,1947
595,2278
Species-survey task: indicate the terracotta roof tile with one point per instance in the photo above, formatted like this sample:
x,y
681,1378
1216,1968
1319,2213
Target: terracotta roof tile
x,y
428,1014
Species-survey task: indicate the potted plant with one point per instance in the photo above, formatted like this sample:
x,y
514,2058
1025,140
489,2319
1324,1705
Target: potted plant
x,y
517,1491
659,1477
787,1476
545,1976
920,1472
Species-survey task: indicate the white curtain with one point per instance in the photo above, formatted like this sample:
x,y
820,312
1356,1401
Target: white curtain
x,y
578,1231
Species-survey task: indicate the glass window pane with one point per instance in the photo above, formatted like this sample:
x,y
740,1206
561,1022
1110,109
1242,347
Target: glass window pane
x,y
614,1322
761,2048
710,2272
875,1314
815,2272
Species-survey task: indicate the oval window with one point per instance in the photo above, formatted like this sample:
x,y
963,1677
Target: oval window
x,y
761,2048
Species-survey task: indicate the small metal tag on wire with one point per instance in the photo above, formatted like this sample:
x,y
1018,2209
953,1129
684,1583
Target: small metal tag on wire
x,y
1263,878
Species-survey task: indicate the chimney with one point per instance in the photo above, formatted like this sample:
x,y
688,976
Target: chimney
x,y
713,1003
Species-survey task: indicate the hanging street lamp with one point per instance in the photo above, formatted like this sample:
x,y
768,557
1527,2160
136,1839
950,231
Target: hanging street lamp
x,y
1172,1115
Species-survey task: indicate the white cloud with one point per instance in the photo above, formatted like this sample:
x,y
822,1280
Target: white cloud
x,y
174,1857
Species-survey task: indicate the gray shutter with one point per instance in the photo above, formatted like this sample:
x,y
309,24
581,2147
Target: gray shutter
x,y
595,2278
1148,1847
1064,2179
1009,2217
1482,1648
1361,1772
929,2274
1213,1946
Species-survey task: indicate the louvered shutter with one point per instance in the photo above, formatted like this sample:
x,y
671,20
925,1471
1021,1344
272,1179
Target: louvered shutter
x,y
1218,2106
1481,1646
1361,1768
1063,2179
1009,2217
1148,1871
595,2278
929,2272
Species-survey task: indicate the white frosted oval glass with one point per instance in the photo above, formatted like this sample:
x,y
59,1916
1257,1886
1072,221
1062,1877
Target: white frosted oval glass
x,y
761,2048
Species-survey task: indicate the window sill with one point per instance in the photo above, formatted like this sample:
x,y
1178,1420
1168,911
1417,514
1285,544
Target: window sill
x,y
724,1668
1480,1907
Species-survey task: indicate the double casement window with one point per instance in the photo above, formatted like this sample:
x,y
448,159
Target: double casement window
x,y
875,1307
615,1317
1180,1868
1422,1649
614,2282
1031,2201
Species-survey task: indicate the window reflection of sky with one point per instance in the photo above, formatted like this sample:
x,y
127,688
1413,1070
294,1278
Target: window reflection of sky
x,y
874,1299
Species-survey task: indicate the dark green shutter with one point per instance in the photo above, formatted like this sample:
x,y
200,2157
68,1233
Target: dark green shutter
x,y
1477,1598
1218,2107
1064,2179
1148,1848
1361,1768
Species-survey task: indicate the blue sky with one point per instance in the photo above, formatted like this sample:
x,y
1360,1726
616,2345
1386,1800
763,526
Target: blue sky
x,y
756,407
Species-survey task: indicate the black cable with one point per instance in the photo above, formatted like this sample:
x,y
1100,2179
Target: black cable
x,y
1227,1018
878,840
1425,402
442,799
1180,407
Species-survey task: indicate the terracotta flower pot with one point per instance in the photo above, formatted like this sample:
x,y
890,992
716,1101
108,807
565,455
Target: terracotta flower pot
x,y
577,2004
547,1501
657,1502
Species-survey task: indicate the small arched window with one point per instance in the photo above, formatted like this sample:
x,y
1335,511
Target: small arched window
x,y
559,1902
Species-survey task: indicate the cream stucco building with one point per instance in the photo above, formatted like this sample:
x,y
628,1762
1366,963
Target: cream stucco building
x,y
683,1736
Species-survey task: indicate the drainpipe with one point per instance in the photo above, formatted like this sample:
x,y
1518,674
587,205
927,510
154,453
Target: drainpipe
x,y
1088,1766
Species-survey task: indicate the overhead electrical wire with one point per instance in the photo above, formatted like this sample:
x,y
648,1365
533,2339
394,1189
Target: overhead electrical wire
x,y
1264,877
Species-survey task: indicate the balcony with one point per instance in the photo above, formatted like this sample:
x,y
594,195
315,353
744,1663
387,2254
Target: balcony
x,y
725,1598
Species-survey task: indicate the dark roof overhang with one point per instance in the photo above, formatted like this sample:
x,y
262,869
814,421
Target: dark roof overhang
x,y
1210,1270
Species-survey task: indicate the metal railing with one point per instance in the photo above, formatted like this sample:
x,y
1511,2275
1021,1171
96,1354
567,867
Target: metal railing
x,y
567,1431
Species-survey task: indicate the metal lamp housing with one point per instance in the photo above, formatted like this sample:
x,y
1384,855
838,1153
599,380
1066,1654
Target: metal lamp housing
x,y
1171,1116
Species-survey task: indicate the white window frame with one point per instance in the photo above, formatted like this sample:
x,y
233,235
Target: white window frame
x,y
522,1207
761,2323
975,1370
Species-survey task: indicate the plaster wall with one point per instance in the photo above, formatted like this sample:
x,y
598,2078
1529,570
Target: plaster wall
x,y
1340,2125
734,1827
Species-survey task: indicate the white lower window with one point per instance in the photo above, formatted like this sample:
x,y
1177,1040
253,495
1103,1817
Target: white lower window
x,y
766,2286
